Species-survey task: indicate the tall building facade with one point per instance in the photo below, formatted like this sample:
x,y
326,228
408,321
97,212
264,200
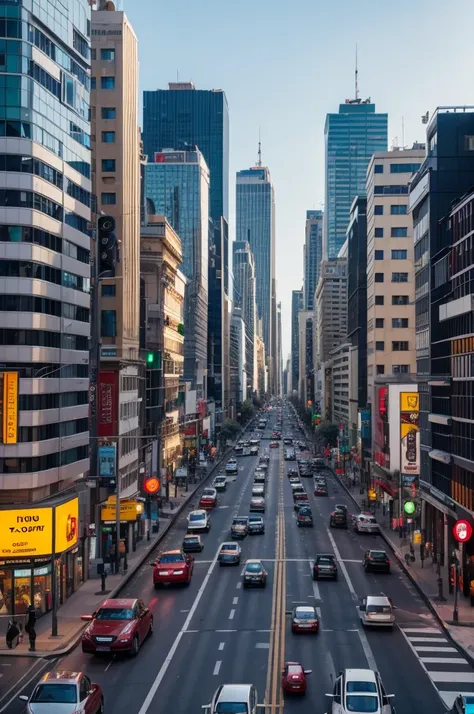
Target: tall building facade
x,y
279,354
312,256
390,265
237,361
245,288
45,240
255,223
116,184
296,307
179,118
331,306
178,186
351,137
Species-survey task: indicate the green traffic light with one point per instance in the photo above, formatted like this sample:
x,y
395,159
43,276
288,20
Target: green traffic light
x,y
150,357
409,507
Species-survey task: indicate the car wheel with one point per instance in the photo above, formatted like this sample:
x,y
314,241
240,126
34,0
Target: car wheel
x,y
366,568
135,646
100,710
315,577
151,628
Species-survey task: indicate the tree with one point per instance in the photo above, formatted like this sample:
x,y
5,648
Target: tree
x,y
257,402
329,432
247,410
229,429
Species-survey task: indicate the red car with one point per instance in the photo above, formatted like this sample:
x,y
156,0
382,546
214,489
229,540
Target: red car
x,y
293,678
208,499
118,626
274,445
304,619
173,567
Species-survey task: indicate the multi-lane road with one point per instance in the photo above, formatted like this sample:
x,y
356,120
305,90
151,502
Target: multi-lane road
x,y
216,632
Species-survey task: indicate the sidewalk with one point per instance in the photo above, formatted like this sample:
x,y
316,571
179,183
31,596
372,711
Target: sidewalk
x,y
89,596
424,575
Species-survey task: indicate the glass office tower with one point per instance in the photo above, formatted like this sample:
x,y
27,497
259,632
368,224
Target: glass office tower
x,y
351,137
313,255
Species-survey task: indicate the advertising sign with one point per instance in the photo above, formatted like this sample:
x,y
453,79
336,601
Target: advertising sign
x,y
409,433
129,510
107,400
10,407
26,532
462,531
107,461
66,520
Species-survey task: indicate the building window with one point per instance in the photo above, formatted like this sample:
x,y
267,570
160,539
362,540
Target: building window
x,y
399,254
108,291
379,277
108,199
380,346
108,112
400,299
378,233
399,232
378,255
93,83
379,299
378,169
108,323
107,55
399,346
380,368
108,165
378,210
379,321
404,168
390,190
401,369
399,277
399,322
107,82
398,210
108,137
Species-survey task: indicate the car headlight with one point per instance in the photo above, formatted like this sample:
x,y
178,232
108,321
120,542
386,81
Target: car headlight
x,y
178,572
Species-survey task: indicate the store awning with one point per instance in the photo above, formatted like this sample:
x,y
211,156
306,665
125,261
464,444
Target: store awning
x,y
384,486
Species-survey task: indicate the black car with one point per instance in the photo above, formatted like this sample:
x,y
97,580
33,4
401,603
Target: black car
x,y
338,519
192,544
318,464
325,566
376,561
255,574
304,517
292,472
256,525
288,441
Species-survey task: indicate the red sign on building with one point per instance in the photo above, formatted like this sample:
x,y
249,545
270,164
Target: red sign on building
x,y
107,403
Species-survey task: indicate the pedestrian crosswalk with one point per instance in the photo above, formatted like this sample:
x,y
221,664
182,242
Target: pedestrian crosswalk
x,y
449,671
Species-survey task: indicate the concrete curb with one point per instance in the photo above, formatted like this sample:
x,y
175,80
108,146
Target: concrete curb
x,y
52,654
443,624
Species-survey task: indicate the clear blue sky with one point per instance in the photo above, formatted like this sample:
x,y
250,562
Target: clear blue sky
x,y
285,65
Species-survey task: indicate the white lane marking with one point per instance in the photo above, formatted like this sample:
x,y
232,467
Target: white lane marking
x,y
225,630
231,614
239,585
443,660
453,677
426,671
221,646
422,630
169,657
426,639
316,593
217,667
262,646
235,601
5,665
28,681
242,571
184,610
298,602
449,697
109,664
350,561
191,632
421,648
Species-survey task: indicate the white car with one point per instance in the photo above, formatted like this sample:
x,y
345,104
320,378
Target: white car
x,y
365,523
199,521
220,483
258,490
360,690
231,467
376,611
234,698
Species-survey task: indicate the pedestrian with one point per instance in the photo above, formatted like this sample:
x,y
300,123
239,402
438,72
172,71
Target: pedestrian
x,y
30,627
122,553
112,558
13,634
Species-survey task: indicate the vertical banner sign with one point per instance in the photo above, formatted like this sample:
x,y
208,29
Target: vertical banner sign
x,y
106,455
107,401
409,437
10,408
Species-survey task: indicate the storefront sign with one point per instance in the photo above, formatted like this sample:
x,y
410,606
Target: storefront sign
x,y
10,407
66,520
129,510
26,532
462,531
106,457
409,433
107,404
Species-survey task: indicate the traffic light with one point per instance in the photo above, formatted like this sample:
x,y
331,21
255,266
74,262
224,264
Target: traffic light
x,y
409,508
108,249
153,360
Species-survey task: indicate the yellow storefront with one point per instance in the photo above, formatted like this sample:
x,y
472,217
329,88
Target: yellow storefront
x,y
131,514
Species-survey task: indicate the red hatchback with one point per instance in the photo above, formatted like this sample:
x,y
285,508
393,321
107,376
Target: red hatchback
x,y
173,567
118,626
293,678
208,499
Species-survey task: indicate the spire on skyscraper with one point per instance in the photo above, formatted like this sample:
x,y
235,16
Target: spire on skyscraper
x,y
356,77
259,153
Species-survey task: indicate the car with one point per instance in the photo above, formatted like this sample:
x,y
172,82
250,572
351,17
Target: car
x,y
377,611
254,574
199,521
259,476
288,441
208,498
258,490
231,466
304,517
293,678
292,472
173,567
325,566
338,519
305,471
254,451
255,442
463,704
238,449
239,527
119,625
295,480
257,504
300,499
263,466
274,445
318,464
229,554
256,524
365,523
220,483
290,455
360,690
304,618
192,544
303,462
264,457
234,698
65,692
320,489
340,507
376,561
276,435
297,486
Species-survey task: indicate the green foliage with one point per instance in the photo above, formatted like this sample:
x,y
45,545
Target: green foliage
x,y
329,432
247,410
229,429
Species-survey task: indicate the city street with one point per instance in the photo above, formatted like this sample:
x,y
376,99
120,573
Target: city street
x,y
216,632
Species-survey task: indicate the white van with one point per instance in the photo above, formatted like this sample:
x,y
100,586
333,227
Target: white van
x,y
376,611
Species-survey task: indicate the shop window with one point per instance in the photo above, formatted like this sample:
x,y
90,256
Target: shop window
x,y
6,592
22,591
42,589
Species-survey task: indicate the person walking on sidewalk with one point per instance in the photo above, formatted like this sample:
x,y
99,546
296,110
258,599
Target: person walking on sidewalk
x,y
13,634
122,554
30,627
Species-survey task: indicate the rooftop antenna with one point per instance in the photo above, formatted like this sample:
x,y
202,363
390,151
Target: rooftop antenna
x,y
356,77
403,132
259,160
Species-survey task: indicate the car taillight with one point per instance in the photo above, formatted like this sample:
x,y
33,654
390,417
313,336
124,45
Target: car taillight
x,y
370,557
388,561
316,568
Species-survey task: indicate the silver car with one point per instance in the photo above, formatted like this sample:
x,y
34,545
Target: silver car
x,y
63,692
234,698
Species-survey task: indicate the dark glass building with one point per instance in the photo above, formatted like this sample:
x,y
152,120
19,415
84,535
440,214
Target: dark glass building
x,y
313,255
296,307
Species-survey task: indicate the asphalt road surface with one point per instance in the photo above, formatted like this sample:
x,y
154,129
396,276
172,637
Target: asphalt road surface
x,y
216,632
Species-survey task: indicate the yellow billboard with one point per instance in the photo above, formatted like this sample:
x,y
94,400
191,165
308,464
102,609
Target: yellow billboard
x,y
66,520
26,532
10,408
129,510
409,402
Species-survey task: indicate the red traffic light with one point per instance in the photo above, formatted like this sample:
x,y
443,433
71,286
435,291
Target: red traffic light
x,y
152,485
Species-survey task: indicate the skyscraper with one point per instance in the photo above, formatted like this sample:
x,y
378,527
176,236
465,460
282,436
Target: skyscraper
x,y
178,185
45,248
255,213
313,255
178,118
296,307
351,137
243,264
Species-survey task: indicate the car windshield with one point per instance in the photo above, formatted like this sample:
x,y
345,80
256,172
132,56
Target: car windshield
x,y
255,519
294,669
239,522
378,609
192,539
196,517
254,567
358,703
229,546
231,708
378,555
208,494
368,519
171,558
304,615
325,560
115,613
55,694
361,687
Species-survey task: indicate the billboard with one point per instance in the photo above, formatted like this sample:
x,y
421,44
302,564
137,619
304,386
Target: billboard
x,y
106,455
107,404
66,522
10,408
409,434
